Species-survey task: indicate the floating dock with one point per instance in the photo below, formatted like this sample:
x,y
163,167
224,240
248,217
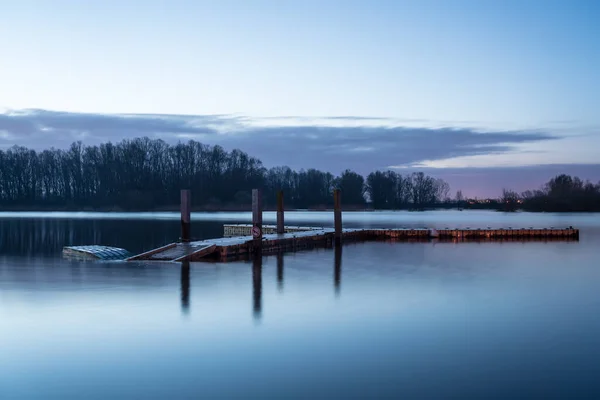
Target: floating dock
x,y
95,253
232,248
243,240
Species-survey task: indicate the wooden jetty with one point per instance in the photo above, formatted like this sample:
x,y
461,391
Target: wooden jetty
x,y
231,248
236,230
243,240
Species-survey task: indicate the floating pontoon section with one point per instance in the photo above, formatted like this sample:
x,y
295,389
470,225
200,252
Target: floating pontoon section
x,y
95,252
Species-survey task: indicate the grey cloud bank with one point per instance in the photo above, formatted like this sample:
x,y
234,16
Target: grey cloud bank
x,y
363,148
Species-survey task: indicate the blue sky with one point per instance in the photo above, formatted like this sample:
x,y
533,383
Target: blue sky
x,y
491,67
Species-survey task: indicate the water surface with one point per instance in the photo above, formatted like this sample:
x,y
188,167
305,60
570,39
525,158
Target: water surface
x,y
375,320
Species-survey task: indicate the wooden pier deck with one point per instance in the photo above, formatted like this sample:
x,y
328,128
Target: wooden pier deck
x,y
236,247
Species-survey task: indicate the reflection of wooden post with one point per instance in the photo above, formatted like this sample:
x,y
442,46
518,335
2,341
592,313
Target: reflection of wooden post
x,y
185,286
337,216
257,218
337,269
185,215
280,220
257,286
280,270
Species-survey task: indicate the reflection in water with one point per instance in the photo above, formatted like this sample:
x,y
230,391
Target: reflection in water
x,y
280,271
257,285
47,236
459,317
337,269
185,287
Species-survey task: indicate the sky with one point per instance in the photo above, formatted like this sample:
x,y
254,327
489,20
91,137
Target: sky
x,y
485,94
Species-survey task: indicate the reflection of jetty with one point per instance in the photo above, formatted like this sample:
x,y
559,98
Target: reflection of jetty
x,y
254,239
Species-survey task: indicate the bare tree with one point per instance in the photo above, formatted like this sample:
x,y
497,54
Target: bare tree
x,y
509,200
442,190
403,190
423,190
459,196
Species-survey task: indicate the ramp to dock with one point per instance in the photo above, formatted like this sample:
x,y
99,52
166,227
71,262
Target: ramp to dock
x,y
177,252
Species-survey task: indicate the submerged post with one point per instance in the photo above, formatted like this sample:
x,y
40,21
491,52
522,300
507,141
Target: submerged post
x,y
185,215
280,220
337,216
257,218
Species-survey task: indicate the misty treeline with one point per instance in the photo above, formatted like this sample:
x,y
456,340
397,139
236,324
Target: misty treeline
x,y
562,193
143,174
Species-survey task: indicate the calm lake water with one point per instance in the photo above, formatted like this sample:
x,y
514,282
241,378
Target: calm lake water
x,y
376,320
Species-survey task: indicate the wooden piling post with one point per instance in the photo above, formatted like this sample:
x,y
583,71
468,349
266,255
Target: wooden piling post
x,y
186,204
337,216
257,218
280,220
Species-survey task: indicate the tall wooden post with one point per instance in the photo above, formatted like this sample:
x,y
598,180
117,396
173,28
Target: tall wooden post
x,y
257,249
280,220
186,204
337,216
257,218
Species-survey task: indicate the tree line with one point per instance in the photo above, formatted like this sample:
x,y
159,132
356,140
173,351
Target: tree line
x,y
144,174
562,193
